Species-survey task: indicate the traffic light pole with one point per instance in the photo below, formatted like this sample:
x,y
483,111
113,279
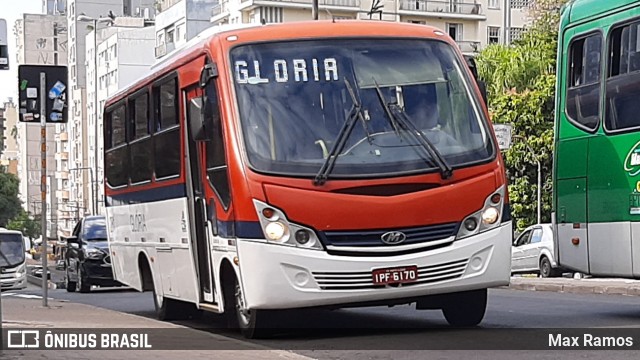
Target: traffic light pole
x,y
43,185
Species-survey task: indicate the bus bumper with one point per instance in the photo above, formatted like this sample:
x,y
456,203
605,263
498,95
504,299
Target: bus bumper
x,y
282,277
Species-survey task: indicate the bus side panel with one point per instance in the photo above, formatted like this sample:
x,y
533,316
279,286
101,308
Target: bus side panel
x,y
572,224
635,249
160,230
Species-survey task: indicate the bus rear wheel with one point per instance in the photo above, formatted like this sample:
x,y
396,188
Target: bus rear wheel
x,y
465,309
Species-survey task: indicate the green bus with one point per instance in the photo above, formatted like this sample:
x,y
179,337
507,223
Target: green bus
x,y
597,139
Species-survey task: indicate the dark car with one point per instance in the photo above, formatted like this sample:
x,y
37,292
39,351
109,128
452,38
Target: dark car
x,y
87,259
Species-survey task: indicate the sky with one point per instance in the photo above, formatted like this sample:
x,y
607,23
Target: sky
x,y
11,10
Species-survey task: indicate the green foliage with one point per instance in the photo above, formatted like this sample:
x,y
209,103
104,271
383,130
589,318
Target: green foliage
x,y
521,84
24,223
9,201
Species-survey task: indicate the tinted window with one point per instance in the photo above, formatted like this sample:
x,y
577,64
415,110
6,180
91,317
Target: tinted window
x,y
138,110
166,105
583,94
116,163
216,161
167,153
94,229
11,249
623,81
524,238
118,133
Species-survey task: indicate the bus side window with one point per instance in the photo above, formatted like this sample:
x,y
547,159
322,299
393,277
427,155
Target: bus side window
x,y
583,85
623,79
216,157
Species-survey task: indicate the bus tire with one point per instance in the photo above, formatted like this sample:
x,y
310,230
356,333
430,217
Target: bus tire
x,y
465,309
253,324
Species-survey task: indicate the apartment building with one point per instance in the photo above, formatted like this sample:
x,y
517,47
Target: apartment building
x,y
472,23
9,152
125,53
40,40
82,177
178,21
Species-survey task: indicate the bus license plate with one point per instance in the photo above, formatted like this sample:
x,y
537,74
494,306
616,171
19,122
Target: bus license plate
x,y
398,275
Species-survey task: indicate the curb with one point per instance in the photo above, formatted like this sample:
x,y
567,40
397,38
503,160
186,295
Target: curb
x,y
577,288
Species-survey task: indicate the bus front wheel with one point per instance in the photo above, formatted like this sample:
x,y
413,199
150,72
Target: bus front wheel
x,y
253,323
465,309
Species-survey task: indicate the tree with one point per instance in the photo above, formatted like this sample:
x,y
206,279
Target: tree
x,y
24,223
521,85
9,202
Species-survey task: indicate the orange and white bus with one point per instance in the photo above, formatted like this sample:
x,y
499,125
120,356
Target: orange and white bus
x,y
307,164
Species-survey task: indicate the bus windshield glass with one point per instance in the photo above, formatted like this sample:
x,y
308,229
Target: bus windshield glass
x,y
295,97
11,249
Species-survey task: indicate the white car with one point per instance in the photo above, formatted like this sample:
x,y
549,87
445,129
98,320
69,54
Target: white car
x,y
533,250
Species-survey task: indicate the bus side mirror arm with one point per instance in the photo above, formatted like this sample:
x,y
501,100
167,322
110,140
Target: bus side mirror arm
x,y
209,72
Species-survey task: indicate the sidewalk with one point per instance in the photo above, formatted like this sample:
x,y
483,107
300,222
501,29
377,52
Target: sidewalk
x,y
609,286
29,314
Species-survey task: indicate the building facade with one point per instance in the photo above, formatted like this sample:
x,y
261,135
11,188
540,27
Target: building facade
x,y
82,177
471,23
9,151
125,53
40,40
178,21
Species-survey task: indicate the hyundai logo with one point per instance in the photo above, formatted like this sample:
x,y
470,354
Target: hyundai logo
x,y
393,237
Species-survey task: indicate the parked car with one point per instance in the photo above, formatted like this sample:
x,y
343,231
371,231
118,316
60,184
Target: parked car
x,y
87,259
533,252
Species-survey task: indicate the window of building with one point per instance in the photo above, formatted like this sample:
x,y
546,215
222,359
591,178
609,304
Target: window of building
x,y
623,79
170,36
455,31
519,4
271,14
515,33
494,4
583,88
493,35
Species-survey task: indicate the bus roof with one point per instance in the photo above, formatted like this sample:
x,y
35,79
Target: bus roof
x,y
7,231
584,9
281,31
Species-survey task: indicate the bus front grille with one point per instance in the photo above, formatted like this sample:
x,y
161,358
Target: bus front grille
x,y
360,280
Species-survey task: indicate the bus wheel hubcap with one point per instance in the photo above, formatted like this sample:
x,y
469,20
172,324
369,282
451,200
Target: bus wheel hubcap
x,y
243,312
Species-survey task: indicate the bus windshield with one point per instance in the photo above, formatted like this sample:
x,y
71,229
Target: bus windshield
x,y
295,97
11,250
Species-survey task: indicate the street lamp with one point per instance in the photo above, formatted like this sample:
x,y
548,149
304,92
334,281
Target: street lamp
x,y
85,18
537,160
95,186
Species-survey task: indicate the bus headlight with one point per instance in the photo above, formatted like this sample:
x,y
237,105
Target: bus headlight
x,y
490,216
485,219
275,230
278,230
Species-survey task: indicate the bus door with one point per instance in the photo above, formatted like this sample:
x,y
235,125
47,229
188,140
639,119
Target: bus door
x,y
198,205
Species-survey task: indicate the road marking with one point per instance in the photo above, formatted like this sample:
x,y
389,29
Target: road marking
x,y
24,296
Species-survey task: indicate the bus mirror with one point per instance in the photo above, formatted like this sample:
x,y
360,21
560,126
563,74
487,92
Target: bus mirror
x,y
196,120
209,71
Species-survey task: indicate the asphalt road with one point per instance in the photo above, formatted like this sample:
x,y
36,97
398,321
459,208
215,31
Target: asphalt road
x,y
381,332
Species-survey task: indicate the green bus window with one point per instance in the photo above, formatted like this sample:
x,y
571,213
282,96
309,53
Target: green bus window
x,y
583,93
623,81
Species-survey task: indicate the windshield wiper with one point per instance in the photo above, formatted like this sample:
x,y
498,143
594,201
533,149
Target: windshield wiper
x,y
355,114
399,118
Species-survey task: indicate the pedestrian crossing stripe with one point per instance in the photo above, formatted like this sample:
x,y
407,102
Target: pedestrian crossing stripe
x,y
24,296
